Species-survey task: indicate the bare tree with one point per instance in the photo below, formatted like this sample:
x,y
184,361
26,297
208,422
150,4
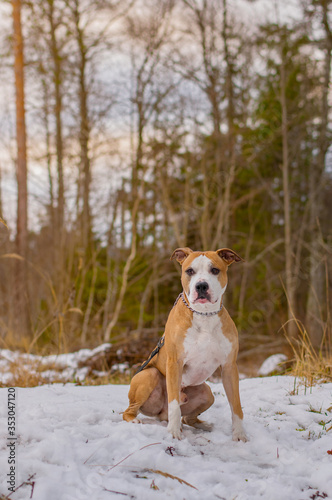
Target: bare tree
x,y
21,173
289,281
317,283
211,25
154,32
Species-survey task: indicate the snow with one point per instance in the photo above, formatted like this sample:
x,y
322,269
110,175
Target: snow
x,y
272,364
64,367
75,443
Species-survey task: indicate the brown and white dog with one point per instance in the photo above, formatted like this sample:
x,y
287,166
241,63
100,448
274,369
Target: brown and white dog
x,y
199,337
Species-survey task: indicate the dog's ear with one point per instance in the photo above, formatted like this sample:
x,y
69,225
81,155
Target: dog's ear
x,y
229,256
180,254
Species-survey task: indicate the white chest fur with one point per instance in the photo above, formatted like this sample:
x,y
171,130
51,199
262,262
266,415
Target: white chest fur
x,y
205,348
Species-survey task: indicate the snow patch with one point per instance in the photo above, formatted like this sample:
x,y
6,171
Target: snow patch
x,y
272,364
74,441
64,367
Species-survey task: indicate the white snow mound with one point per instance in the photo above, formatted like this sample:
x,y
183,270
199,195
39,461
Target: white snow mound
x,y
272,364
65,367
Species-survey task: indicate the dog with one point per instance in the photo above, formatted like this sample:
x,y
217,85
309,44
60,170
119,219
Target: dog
x,y
199,337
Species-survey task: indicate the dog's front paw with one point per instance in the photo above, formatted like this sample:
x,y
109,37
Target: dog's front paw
x,y
238,432
175,430
240,436
174,419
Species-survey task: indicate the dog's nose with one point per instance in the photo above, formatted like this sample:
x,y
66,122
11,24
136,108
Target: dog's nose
x,y
202,287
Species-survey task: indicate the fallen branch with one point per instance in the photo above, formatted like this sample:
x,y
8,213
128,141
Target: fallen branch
x,y
118,492
25,483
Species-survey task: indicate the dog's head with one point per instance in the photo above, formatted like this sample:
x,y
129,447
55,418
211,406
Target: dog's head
x,y
204,276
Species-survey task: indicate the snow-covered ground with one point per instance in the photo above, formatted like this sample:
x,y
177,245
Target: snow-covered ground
x,y
73,442
56,367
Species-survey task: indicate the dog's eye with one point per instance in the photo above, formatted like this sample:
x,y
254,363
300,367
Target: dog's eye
x,y
190,271
215,271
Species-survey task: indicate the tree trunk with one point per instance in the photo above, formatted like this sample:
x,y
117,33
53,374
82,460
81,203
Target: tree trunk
x,y
289,281
222,232
22,323
316,303
57,81
125,273
0,194
112,274
46,113
85,327
84,131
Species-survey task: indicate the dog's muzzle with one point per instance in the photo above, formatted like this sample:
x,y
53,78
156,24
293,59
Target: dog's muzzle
x,y
202,288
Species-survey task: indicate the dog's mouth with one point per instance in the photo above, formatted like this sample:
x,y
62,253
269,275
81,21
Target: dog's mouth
x,y
202,300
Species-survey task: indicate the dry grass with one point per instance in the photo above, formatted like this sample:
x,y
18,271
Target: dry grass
x,y
111,378
309,364
28,375
32,374
12,343
23,377
166,474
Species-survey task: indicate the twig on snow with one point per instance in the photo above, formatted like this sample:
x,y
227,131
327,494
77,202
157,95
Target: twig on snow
x,y
130,454
25,483
119,492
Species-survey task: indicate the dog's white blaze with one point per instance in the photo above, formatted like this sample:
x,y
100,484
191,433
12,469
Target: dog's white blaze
x,y
205,348
202,267
174,418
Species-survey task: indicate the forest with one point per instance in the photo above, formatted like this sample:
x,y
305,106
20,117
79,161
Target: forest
x,y
130,128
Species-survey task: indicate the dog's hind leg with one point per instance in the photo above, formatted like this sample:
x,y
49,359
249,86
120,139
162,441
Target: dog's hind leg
x,y
200,398
146,394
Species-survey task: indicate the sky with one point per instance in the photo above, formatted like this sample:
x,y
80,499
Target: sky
x,y
107,170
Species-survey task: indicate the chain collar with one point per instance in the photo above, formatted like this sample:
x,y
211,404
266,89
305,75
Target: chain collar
x,y
162,339
181,296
